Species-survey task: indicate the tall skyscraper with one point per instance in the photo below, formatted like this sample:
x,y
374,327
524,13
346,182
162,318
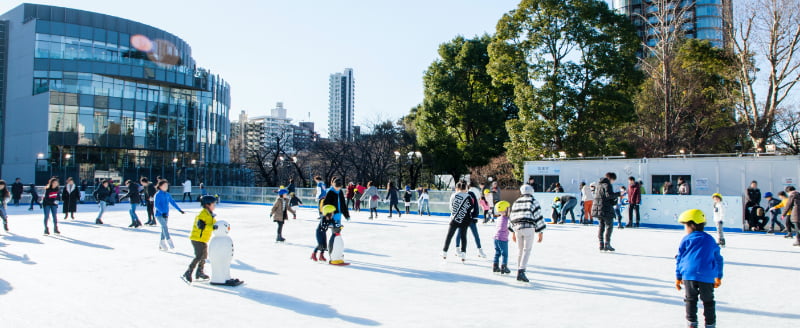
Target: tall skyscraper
x,y
697,19
340,108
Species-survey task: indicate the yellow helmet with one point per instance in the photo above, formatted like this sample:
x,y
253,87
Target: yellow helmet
x,y
716,194
486,191
693,215
328,209
501,206
556,199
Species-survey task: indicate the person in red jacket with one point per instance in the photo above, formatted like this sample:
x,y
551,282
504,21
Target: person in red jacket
x,y
351,191
634,199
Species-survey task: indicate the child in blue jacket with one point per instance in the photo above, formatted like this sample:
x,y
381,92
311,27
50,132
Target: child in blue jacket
x,y
699,267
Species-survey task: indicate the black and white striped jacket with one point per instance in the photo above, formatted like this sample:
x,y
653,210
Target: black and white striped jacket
x,y
526,213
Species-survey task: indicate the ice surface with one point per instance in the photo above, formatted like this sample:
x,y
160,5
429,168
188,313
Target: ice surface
x,y
112,276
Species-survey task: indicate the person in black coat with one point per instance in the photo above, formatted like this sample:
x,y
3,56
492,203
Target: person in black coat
x,y
392,196
102,195
603,209
335,197
149,198
70,196
16,191
136,199
34,197
752,202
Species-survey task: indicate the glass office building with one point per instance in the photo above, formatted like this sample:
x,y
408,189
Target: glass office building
x,y
700,19
89,93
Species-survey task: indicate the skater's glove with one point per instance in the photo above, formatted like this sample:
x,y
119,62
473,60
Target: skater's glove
x,y
717,282
678,284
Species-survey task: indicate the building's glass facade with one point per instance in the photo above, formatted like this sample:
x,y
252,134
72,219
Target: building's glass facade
x,y
118,105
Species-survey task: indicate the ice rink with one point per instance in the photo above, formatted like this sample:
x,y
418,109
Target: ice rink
x,y
113,276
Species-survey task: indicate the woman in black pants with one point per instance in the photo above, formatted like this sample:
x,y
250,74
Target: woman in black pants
x,y
461,205
392,196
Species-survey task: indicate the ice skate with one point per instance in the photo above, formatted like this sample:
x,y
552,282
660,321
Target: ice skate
x,y
55,231
162,245
5,226
46,231
322,258
521,276
721,242
496,268
171,245
504,269
481,253
444,255
602,246
187,277
314,256
98,221
200,276
463,256
609,248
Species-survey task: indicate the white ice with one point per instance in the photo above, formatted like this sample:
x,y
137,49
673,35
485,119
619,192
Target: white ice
x,y
112,276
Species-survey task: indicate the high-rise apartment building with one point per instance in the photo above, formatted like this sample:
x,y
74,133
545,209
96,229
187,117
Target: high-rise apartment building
x,y
340,108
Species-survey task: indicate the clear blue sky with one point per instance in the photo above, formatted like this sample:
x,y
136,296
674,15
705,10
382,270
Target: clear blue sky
x,y
272,51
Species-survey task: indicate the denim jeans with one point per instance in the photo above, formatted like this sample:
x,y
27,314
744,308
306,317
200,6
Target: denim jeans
x,y
134,217
162,221
102,204
424,207
473,226
776,219
501,249
48,209
568,208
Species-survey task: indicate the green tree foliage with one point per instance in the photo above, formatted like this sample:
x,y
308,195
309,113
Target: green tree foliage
x,y
703,100
572,64
461,123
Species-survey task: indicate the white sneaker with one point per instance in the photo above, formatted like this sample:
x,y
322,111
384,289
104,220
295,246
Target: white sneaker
x,y
480,253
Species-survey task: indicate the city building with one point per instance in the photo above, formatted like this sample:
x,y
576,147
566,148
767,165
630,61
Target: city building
x,y
85,92
700,19
250,135
340,108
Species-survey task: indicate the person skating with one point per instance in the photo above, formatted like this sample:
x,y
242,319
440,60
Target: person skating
x,y
34,197
162,201
603,209
699,268
335,197
50,205
136,199
5,196
187,190
473,219
793,206
526,220
280,213
372,198
774,213
719,218
16,191
392,196
70,197
619,207
784,215
634,199
294,203
424,202
321,233
484,204
587,198
489,195
461,208
752,203
500,264
201,233
102,195
350,194
149,191
321,191
407,199
358,192
568,203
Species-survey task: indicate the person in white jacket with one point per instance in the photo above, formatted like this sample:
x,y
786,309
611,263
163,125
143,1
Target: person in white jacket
x,y
587,198
719,217
187,190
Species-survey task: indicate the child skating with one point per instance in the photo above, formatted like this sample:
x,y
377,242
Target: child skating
x,y
501,239
325,222
294,203
201,233
526,220
280,213
719,218
699,268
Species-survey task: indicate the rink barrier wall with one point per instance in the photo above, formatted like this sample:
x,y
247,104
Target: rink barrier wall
x,y
656,211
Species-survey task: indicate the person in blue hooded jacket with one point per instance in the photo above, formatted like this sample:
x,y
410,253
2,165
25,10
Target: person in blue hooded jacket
x,y
699,267
162,202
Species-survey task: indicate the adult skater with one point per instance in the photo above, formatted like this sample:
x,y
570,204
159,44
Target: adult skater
x,y
568,203
162,202
634,199
70,197
149,190
335,197
587,198
34,197
461,208
752,202
473,193
136,199
5,196
102,194
187,190
201,234
16,191
280,212
603,209
407,199
372,198
526,220
392,196
50,205
321,191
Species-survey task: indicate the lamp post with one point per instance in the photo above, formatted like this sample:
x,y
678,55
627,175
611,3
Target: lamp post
x,y
399,167
174,169
194,168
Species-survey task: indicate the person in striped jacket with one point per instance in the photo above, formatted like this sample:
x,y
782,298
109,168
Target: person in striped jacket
x,y
526,220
